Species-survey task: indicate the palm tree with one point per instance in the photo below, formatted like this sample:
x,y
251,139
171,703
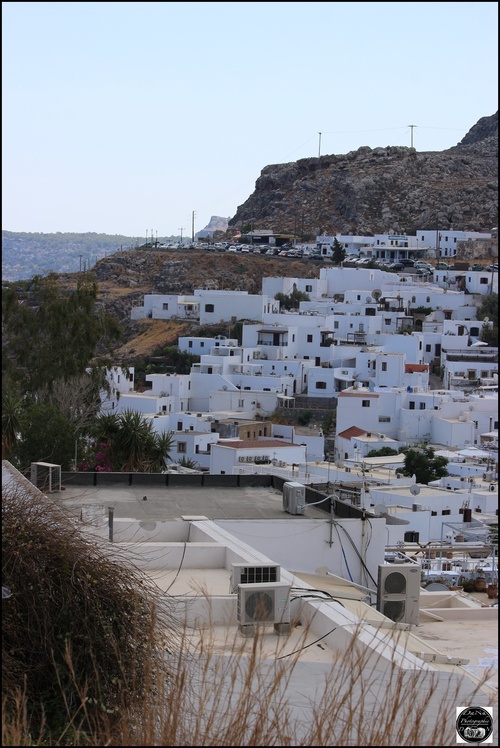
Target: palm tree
x,y
133,445
160,451
131,441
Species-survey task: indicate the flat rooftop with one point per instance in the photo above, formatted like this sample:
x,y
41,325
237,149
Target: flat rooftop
x,y
161,504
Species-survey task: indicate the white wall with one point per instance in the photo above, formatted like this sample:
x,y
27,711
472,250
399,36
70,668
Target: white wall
x,y
311,551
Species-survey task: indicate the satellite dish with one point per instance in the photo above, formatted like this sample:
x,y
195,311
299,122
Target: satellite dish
x,y
380,509
368,299
376,293
415,490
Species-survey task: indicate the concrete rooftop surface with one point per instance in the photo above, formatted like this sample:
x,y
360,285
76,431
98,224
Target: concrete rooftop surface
x,y
187,539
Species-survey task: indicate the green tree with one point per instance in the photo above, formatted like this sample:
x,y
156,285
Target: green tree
x,y
488,314
292,300
46,436
382,452
54,334
338,252
424,465
11,422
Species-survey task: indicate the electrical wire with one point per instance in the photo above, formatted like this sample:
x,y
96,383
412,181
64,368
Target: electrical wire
x,y
282,657
179,569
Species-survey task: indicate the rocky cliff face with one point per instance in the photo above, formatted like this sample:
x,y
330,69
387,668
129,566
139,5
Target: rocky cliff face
x,y
382,189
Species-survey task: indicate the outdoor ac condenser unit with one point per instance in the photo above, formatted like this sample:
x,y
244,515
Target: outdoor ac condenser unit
x,y
294,497
247,573
263,603
398,592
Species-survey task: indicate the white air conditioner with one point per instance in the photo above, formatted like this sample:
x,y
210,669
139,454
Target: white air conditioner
x,y
242,459
488,477
493,487
398,592
248,573
294,497
263,603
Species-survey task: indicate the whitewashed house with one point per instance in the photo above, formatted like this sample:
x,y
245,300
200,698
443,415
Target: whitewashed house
x,y
482,282
445,242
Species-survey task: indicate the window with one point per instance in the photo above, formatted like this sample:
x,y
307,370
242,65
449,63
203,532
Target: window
x,y
209,307
484,281
202,344
365,403
309,289
179,425
165,306
384,365
190,344
384,419
387,321
309,338
422,406
428,348
411,405
335,325
181,447
321,385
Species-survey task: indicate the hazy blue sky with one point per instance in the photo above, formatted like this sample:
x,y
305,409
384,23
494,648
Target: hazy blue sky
x,y
123,118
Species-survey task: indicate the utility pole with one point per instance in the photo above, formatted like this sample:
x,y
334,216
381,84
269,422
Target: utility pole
x,y
80,263
411,128
181,229
192,226
319,145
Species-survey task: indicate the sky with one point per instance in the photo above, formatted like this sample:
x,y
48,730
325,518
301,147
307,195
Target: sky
x,y
147,118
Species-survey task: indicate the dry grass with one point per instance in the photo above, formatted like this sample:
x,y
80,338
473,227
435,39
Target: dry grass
x,y
154,333
94,655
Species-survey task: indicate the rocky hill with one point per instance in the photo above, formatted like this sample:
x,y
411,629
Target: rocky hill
x,y
393,189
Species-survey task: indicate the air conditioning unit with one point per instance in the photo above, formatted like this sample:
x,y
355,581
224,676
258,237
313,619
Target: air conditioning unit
x,y
488,477
493,487
294,497
242,459
398,592
263,603
245,573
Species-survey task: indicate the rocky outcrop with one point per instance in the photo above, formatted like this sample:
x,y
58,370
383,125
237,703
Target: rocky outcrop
x,y
381,189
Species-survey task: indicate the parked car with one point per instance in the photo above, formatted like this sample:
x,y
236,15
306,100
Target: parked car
x,y
407,263
422,271
396,266
442,266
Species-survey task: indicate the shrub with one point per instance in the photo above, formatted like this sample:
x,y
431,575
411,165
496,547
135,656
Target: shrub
x,y
80,632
